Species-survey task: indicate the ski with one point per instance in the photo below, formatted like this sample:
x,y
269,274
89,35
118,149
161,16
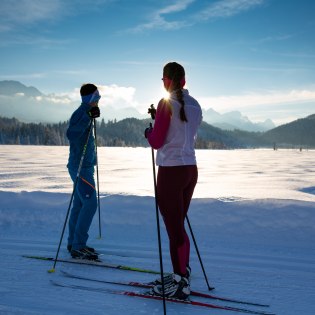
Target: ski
x,y
148,286
147,295
97,263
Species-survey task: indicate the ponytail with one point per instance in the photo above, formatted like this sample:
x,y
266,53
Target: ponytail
x,y
182,114
176,73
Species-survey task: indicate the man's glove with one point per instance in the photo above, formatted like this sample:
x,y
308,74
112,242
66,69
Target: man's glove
x,y
147,131
152,111
94,112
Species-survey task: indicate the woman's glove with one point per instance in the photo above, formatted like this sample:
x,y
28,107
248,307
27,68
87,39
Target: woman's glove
x,y
152,111
147,131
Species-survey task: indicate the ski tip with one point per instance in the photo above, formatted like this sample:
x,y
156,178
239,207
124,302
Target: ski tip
x,y
52,270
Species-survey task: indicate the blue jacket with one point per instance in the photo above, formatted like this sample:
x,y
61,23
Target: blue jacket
x,y
77,133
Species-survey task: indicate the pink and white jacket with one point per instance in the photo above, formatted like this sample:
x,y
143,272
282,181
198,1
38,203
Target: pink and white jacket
x,y
175,139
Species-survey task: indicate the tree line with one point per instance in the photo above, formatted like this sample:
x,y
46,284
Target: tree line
x,y
127,132
12,131
130,132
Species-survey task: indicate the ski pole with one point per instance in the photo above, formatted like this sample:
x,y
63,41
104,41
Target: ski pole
x,y
197,250
98,184
158,228
72,195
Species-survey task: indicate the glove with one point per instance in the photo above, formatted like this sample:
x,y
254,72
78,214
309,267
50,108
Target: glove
x,y
152,111
147,131
94,112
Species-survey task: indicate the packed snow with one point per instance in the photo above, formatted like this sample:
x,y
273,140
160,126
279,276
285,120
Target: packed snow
x,y
253,216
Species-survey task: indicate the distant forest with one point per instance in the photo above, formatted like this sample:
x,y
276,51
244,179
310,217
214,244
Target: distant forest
x,y
108,134
130,132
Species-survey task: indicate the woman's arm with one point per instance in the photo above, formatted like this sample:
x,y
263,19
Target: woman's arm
x,y
157,135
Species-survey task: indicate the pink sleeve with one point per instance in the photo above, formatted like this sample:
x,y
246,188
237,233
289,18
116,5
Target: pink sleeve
x,y
163,116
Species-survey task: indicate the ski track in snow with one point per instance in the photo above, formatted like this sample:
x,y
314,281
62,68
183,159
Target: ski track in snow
x,y
256,246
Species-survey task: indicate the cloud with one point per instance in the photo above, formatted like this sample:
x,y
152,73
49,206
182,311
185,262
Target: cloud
x,y
34,40
51,108
28,11
17,13
112,95
218,9
20,76
55,99
158,21
275,38
116,102
257,100
176,7
227,8
280,106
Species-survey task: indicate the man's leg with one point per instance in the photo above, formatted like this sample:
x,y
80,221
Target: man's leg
x,y
87,193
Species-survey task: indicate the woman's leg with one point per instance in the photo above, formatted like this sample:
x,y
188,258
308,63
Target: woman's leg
x,y
188,193
174,192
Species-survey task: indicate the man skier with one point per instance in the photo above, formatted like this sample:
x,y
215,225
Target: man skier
x,y
84,200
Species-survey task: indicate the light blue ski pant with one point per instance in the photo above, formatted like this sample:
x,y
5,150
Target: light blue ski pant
x,y
83,208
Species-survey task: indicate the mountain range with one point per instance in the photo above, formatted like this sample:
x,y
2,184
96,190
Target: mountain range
x,y
31,105
14,88
235,120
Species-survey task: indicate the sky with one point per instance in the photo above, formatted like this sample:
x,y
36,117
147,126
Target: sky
x,y
252,56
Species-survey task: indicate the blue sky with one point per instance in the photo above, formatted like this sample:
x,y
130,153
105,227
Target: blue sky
x,y
254,56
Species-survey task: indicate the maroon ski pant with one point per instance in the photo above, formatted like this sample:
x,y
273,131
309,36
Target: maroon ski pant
x,y
175,187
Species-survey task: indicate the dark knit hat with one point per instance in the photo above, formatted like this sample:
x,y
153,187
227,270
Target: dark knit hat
x,y
87,89
89,93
